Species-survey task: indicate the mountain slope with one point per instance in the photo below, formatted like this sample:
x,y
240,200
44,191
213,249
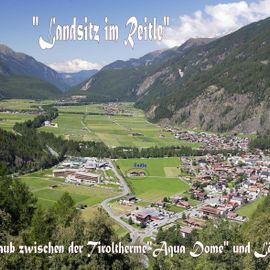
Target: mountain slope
x,y
13,63
15,86
127,80
225,84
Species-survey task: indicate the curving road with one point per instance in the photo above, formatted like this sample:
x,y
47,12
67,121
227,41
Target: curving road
x,y
105,204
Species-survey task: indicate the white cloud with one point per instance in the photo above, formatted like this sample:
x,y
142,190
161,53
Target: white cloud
x,y
74,65
216,20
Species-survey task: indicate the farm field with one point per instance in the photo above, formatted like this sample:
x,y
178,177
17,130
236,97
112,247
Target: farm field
x,y
8,120
116,125
128,131
22,104
70,127
127,126
154,189
39,183
99,108
249,209
160,180
155,166
94,108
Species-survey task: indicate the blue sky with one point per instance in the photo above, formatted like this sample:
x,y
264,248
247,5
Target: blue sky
x,y
187,19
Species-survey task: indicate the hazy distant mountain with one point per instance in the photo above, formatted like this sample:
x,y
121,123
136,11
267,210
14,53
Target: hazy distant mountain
x,y
13,63
72,79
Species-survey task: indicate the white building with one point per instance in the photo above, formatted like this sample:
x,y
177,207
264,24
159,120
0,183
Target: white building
x,y
50,124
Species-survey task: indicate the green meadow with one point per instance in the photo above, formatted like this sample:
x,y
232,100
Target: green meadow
x,y
8,120
155,166
39,183
22,104
17,106
129,131
126,127
94,108
123,126
161,178
249,209
70,127
154,189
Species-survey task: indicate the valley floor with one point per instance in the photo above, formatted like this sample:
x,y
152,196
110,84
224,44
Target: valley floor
x,y
115,125
163,189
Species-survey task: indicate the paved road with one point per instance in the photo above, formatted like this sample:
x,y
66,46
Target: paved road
x,y
105,204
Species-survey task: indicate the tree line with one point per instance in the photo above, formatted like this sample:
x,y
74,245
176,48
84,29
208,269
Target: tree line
x,y
23,222
261,141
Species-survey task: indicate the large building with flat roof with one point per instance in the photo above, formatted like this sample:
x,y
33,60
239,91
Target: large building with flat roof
x,y
76,176
84,178
63,172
